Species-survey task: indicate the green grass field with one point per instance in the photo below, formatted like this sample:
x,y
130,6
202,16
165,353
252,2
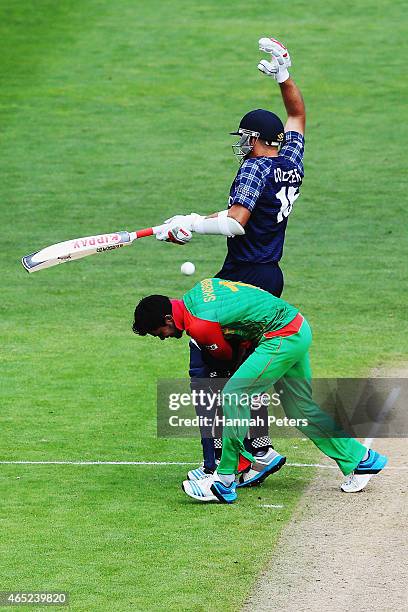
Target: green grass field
x,y
115,115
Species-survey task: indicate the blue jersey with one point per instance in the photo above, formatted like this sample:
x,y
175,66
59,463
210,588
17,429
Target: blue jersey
x,y
268,187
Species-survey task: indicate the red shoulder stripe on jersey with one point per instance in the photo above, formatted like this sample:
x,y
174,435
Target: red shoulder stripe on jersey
x,y
206,333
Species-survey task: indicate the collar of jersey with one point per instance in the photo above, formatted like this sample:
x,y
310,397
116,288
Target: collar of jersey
x,y
178,312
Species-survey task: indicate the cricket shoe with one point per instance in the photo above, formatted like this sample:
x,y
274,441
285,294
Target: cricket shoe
x,y
200,472
262,467
365,470
210,490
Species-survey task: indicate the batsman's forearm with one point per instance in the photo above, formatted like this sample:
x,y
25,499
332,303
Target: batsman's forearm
x,y
237,212
292,99
221,223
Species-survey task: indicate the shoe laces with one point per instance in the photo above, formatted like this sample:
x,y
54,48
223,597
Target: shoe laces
x,y
350,479
207,476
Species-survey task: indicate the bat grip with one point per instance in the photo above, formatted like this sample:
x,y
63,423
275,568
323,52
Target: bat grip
x,y
144,232
149,231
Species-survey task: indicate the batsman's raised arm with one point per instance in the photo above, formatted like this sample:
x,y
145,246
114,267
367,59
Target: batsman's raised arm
x,y
295,107
277,68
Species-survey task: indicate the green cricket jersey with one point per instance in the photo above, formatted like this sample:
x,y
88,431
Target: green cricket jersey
x,y
239,308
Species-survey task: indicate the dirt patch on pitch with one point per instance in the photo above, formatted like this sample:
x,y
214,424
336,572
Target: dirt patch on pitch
x,y
342,551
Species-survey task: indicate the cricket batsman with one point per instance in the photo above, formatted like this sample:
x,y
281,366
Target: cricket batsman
x,y
212,313
261,198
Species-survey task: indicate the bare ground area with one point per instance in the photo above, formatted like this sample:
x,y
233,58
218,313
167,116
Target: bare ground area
x,y
343,551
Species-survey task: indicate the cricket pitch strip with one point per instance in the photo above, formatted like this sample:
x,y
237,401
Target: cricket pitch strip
x,y
343,551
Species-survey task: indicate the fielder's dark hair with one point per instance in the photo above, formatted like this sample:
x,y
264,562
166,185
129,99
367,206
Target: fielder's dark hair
x,y
150,314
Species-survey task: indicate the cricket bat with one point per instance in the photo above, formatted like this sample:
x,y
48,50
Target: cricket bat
x,y
82,247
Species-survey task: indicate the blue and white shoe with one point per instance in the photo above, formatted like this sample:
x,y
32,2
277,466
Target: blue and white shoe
x,y
210,490
263,467
365,470
200,472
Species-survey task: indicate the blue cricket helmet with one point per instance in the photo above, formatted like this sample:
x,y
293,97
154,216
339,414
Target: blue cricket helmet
x,y
267,124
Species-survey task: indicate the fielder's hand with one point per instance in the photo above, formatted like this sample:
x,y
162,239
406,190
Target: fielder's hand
x,y
277,68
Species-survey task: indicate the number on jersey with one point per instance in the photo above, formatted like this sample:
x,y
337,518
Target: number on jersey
x,y
286,196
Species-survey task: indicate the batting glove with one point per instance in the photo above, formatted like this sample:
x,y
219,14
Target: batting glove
x,y
186,221
178,229
174,233
277,68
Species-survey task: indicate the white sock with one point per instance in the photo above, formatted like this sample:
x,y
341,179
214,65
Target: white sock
x,y
366,455
226,479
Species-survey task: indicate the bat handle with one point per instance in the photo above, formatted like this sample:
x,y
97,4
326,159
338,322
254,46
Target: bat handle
x,y
149,231
144,232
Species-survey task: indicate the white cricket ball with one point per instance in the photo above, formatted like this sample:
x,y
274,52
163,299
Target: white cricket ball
x,y
187,268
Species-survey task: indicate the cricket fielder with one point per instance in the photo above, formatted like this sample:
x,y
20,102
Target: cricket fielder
x,y
216,310
261,198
